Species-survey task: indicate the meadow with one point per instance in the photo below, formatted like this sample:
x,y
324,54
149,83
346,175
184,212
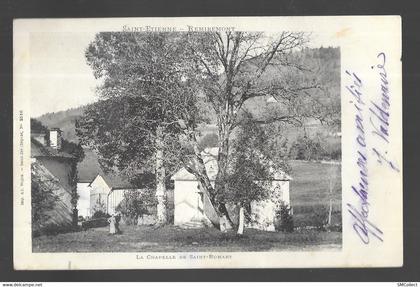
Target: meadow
x,y
310,192
170,238
309,195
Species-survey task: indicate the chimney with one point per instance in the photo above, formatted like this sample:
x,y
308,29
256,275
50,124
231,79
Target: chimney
x,y
55,138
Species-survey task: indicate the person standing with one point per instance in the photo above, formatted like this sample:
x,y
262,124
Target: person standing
x,y
112,222
117,223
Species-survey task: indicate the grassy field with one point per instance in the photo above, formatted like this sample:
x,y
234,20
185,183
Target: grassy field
x,y
173,239
310,192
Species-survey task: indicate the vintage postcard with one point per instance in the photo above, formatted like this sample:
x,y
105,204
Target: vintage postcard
x,y
207,142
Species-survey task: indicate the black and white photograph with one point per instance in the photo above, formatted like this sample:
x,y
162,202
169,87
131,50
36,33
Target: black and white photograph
x,y
206,143
217,140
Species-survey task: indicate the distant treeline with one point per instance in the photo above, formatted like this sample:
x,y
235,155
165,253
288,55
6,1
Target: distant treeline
x,y
311,141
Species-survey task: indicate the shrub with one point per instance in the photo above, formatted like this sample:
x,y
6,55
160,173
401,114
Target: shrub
x,y
43,201
129,220
100,214
92,223
316,147
306,148
284,218
135,204
99,210
170,210
320,217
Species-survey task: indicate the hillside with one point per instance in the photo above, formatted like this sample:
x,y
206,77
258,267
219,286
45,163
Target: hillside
x,y
65,120
310,188
323,62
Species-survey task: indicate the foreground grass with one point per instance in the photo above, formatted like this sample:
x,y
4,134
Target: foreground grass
x,y
174,239
310,195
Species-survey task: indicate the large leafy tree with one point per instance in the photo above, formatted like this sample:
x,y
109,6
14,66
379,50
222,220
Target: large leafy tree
x,y
238,67
155,86
252,166
149,89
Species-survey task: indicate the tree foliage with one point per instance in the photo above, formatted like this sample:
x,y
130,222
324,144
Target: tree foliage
x,y
37,126
238,67
316,147
148,81
284,218
250,168
208,141
306,148
136,204
169,81
43,200
149,90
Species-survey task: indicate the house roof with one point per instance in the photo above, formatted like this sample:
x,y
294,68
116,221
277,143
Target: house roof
x,y
89,169
210,162
39,150
114,181
46,180
34,134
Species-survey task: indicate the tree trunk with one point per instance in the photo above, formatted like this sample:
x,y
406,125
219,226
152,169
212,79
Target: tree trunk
x,y
197,167
220,182
330,212
200,173
241,221
160,178
331,190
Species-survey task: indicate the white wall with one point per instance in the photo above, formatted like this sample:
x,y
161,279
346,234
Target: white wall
x,y
281,191
54,139
83,203
187,199
99,193
286,192
115,197
263,214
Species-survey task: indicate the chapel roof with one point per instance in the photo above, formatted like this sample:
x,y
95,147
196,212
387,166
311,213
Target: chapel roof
x,y
89,169
114,181
209,156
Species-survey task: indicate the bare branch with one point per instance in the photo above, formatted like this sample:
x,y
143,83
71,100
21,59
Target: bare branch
x,y
287,119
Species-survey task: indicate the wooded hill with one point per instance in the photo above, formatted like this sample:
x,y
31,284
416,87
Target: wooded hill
x,y
324,63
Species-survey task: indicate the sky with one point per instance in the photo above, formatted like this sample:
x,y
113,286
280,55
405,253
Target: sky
x,y
60,76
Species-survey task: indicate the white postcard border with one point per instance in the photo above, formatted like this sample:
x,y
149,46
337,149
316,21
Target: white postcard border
x,y
361,39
